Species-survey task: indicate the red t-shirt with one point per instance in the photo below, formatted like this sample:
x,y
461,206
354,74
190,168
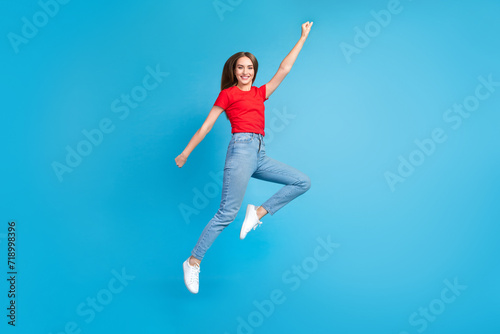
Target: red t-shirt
x,y
245,110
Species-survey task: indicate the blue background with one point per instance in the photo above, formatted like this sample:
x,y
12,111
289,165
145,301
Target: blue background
x,y
120,207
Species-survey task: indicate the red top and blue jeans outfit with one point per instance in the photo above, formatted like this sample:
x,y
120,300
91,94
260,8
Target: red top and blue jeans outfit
x,y
246,158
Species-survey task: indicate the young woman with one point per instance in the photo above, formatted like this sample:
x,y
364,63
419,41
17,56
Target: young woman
x,y
246,153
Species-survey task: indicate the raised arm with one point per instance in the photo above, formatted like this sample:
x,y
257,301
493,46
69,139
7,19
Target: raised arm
x,y
199,135
287,63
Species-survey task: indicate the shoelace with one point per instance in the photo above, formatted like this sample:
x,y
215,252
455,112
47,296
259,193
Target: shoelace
x,y
257,225
195,273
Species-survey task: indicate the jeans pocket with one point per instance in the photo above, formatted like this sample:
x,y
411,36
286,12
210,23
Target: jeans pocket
x,y
243,137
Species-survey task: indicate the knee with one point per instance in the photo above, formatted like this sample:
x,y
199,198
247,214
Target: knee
x,y
226,216
305,183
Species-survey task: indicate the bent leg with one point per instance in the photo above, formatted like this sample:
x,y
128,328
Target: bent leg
x,y
296,182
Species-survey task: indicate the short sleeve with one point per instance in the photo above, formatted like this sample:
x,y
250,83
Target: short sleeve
x,y
222,100
262,92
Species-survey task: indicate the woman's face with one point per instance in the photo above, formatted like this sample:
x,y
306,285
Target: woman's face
x,y
244,71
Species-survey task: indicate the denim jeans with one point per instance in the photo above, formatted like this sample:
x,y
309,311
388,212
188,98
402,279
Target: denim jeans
x,y
246,158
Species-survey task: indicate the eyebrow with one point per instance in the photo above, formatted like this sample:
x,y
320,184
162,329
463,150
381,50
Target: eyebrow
x,y
244,65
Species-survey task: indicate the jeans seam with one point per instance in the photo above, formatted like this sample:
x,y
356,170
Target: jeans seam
x,y
285,193
223,201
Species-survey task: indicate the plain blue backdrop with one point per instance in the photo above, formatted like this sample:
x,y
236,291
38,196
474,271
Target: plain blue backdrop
x,y
101,237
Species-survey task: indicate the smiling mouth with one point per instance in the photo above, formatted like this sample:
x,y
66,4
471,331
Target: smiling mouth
x,y
245,78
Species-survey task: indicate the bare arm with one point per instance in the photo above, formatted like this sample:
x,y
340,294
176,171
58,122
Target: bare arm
x,y
180,160
287,63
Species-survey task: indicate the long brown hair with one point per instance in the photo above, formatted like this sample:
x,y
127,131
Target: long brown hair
x,y
228,77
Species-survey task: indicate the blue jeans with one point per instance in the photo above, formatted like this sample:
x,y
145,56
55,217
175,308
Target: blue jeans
x,y
246,158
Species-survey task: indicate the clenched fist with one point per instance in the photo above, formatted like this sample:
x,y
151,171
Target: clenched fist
x,y
306,27
180,160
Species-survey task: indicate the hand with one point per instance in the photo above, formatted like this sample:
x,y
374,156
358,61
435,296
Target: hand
x,y
180,160
306,27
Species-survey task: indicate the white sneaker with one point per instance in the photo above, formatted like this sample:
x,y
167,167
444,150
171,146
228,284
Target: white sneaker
x,y
191,276
251,221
